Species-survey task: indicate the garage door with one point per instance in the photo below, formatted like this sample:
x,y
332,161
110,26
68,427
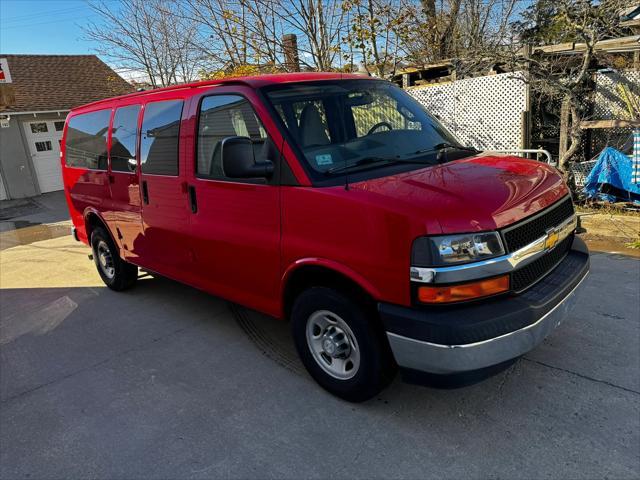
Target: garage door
x,y
44,137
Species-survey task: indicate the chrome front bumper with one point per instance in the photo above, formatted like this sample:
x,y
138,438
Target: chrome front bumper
x,y
445,359
434,357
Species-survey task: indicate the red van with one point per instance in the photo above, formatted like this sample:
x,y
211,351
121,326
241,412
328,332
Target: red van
x,y
335,202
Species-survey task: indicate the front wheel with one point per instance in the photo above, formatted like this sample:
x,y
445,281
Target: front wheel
x,y
340,345
115,273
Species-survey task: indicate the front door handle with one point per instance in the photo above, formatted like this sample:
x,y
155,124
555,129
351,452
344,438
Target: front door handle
x,y
193,201
145,193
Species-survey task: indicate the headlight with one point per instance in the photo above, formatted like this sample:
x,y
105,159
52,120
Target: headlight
x,y
455,249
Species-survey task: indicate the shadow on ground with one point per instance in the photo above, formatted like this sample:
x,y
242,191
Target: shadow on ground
x,y
165,381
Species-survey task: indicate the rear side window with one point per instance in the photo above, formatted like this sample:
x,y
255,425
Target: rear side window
x,y
86,141
124,135
160,137
223,116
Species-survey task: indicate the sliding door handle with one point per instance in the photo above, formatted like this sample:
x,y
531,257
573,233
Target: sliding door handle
x,y
145,192
193,201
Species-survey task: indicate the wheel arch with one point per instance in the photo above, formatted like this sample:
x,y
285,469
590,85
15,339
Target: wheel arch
x,y
319,272
93,219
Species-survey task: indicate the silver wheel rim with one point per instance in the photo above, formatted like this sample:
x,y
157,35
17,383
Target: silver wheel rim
x,y
333,345
105,259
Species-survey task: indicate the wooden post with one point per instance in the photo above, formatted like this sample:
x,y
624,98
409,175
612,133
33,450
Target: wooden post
x,y
565,111
290,47
525,131
527,120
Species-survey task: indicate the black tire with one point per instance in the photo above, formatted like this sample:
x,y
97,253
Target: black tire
x,y
124,274
376,364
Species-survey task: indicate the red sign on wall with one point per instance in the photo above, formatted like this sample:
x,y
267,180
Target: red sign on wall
x,y
5,76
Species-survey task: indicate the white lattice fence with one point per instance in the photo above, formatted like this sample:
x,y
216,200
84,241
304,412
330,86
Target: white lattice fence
x,y
484,112
608,104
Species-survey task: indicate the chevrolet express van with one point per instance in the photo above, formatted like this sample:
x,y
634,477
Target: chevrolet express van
x,y
335,202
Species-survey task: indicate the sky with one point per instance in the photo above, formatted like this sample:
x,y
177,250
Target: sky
x,y
44,26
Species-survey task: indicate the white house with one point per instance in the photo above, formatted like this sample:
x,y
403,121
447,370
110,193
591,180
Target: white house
x,y
36,93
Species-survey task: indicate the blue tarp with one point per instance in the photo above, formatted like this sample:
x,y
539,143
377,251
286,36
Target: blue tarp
x,y
610,178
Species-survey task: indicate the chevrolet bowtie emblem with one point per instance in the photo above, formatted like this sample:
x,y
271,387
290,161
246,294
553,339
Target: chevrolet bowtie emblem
x,y
552,239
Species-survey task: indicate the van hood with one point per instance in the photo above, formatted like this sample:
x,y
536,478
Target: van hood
x,y
483,192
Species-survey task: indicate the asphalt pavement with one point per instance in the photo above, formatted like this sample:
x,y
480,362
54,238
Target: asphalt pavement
x,y
165,381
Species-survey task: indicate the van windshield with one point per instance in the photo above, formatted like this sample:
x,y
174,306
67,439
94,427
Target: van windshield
x,y
352,125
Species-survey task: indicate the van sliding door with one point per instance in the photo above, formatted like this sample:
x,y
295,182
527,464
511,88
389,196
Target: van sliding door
x,y
124,179
163,246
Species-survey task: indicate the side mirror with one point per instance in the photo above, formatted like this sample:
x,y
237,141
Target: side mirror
x,y
238,159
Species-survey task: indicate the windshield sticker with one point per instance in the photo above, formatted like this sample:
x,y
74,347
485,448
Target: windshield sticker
x,y
324,159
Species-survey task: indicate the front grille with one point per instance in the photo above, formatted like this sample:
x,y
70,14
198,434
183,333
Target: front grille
x,y
530,274
533,228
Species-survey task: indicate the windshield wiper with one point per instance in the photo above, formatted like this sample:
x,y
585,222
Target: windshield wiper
x,y
441,149
446,146
370,161
393,160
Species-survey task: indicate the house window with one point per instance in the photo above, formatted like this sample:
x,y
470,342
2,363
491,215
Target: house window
x,y
40,127
59,125
43,146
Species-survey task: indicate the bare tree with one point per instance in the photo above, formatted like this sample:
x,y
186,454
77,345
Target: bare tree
x,y
319,24
234,33
485,24
376,28
148,36
450,29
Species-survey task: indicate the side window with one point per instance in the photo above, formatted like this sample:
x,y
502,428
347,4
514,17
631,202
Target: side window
x,y
223,116
86,142
124,135
160,137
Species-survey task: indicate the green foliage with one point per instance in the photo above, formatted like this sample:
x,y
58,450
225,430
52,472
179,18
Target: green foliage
x,y
635,244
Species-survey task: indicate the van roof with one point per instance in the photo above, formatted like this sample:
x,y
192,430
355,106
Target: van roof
x,y
255,81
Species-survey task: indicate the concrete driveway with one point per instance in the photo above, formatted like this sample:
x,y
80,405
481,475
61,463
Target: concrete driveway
x,y
165,381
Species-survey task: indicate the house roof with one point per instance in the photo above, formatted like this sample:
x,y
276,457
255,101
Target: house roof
x,y
60,82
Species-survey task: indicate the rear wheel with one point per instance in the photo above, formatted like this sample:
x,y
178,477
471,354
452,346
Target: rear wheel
x,y
115,273
340,344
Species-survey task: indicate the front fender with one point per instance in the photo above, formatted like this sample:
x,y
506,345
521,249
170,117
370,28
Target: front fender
x,y
336,267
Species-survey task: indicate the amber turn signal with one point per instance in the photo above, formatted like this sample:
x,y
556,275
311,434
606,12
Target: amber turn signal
x,y
464,291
